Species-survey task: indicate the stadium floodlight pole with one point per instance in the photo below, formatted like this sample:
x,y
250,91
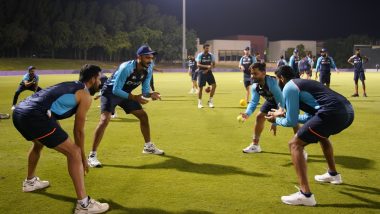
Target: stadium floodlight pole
x,y
184,52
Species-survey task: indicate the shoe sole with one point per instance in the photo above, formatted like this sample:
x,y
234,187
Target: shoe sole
x,y
151,153
308,205
250,152
35,189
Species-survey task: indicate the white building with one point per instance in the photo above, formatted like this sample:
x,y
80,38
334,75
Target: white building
x,y
278,48
226,51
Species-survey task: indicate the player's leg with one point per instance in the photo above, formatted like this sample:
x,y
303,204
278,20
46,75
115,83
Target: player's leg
x,y
108,104
75,167
254,147
304,195
201,84
362,79
247,86
100,129
356,79
20,89
33,157
211,81
135,108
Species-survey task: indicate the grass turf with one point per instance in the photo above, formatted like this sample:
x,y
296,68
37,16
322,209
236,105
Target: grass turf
x,y
204,170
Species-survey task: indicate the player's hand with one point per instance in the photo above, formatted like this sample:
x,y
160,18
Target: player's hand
x,y
155,96
280,112
139,98
189,73
86,167
273,128
96,97
244,116
270,118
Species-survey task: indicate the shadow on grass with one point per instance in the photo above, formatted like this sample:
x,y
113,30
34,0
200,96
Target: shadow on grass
x,y
170,100
349,162
122,119
184,165
118,207
350,189
57,197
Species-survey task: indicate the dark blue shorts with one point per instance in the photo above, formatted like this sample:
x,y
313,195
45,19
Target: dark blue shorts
x,y
110,101
268,106
38,126
247,80
194,75
359,75
203,78
324,77
321,126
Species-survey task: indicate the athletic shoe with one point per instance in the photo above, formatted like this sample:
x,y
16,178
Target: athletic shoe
x,y
114,115
34,184
305,155
4,116
200,105
365,95
94,162
192,91
210,104
13,107
327,178
355,95
152,149
93,207
252,148
299,199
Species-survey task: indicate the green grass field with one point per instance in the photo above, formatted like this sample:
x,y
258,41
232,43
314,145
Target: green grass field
x,y
204,170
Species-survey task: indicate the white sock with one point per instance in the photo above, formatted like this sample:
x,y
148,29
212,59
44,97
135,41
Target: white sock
x,y
84,202
93,154
31,180
210,99
199,101
148,144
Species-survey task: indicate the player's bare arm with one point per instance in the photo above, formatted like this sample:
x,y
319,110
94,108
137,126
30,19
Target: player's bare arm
x,y
84,99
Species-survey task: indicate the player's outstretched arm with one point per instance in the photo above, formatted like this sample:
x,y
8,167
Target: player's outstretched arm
x,y
84,99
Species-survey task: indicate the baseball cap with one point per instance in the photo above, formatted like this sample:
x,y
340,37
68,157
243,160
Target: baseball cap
x,y
247,48
295,50
145,50
31,67
323,50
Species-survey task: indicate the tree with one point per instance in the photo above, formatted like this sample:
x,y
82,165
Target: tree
x,y
61,34
14,36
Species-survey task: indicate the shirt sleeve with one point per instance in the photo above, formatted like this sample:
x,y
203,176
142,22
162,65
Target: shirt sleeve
x,y
276,91
303,118
199,57
212,58
291,61
26,77
291,96
123,73
254,59
254,101
332,63
241,61
145,88
37,78
318,63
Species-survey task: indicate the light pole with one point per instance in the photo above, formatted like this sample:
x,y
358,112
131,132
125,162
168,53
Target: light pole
x,y
184,51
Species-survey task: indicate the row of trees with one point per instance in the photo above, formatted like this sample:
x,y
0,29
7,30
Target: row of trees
x,y
88,29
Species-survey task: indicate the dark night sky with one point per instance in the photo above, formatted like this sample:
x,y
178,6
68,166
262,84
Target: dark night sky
x,y
277,19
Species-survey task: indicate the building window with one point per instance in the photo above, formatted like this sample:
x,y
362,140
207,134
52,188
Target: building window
x,y
229,55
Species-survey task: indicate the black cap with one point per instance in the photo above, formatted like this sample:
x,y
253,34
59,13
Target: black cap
x,y
145,50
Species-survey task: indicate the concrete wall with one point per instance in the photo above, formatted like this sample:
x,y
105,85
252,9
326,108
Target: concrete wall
x,y
258,43
225,45
278,48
